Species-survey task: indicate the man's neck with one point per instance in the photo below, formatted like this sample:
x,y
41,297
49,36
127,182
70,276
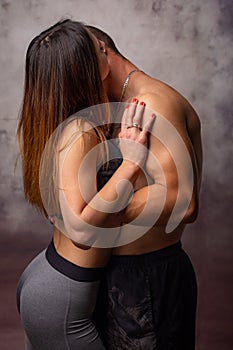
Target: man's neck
x,y
119,70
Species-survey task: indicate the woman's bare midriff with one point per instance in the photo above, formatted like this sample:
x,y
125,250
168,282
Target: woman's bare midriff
x,y
89,257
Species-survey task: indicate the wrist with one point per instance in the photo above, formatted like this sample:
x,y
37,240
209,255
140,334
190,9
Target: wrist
x,y
131,170
131,166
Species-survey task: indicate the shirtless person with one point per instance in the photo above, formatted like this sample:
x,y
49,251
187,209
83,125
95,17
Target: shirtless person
x,y
151,283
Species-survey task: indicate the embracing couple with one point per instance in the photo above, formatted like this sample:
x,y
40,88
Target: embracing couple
x,y
113,158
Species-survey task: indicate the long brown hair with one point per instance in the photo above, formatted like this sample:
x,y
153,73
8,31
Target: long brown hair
x,y
61,77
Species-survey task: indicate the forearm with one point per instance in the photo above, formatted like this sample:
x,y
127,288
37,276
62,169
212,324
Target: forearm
x,y
98,221
106,208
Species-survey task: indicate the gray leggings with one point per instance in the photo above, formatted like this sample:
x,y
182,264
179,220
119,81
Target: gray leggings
x,y
56,301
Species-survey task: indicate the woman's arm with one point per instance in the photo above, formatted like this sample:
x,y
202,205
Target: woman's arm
x,y
84,210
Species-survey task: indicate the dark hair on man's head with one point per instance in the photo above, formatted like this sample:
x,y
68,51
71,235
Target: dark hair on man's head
x,y
101,35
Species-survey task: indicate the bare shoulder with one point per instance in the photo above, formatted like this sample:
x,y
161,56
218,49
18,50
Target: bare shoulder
x,y
169,103
79,133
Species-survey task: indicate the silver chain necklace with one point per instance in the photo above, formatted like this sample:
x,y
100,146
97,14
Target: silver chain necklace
x,y
127,82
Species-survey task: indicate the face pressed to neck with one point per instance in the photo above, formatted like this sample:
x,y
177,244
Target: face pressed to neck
x,y
102,56
115,71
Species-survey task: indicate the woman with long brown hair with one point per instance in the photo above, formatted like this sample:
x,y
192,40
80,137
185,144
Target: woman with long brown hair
x,y
64,72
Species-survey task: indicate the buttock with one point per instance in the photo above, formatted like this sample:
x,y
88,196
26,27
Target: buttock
x,y
56,310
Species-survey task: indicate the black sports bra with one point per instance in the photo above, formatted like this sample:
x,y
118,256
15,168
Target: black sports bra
x,y
105,173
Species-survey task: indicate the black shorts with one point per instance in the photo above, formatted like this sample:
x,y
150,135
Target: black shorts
x,y
151,302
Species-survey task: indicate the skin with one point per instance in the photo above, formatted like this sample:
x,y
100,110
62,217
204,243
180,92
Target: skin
x,y
169,104
80,211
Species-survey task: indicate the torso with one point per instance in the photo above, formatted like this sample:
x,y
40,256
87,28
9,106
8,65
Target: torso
x,y
86,256
156,238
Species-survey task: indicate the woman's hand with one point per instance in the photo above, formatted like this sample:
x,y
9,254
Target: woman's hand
x,y
134,138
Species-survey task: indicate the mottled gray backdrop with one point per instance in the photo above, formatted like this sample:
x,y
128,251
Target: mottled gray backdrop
x,y
186,43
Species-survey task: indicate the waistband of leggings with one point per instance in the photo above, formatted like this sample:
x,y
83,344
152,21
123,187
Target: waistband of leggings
x,y
154,257
73,271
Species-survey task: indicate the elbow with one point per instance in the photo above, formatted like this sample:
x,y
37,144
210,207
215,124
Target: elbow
x,y
78,231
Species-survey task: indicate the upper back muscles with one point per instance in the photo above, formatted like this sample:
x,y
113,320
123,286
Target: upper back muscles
x,y
175,155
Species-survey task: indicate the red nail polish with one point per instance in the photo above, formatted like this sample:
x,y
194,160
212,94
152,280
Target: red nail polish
x,y
142,104
135,100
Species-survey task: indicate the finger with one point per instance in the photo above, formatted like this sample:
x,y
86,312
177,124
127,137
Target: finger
x,y
124,118
132,109
148,125
139,114
132,133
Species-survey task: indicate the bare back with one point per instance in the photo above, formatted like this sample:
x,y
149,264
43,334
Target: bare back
x,y
176,110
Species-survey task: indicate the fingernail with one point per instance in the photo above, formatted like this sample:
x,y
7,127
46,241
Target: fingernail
x,y
142,104
135,100
153,115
